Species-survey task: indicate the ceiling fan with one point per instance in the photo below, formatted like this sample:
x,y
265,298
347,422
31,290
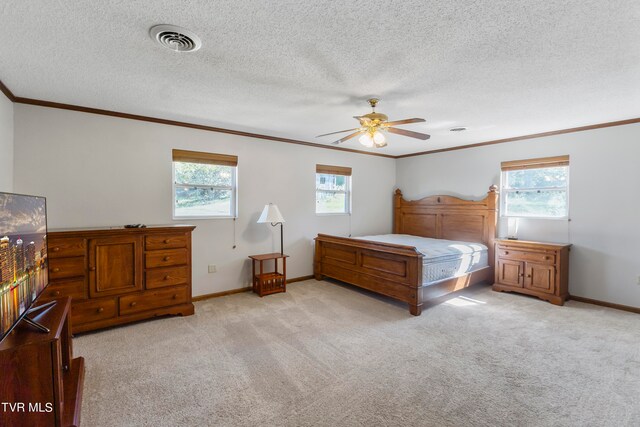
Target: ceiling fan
x,y
373,126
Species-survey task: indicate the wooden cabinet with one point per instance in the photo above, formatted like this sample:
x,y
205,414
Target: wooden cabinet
x,y
120,275
541,278
115,265
510,272
39,371
533,268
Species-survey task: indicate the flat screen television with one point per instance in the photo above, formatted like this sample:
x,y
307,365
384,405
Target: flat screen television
x,y
23,256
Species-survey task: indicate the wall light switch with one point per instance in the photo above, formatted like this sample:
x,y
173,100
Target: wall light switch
x,y
212,268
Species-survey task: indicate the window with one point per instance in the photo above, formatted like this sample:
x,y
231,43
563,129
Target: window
x,y
204,185
333,190
536,188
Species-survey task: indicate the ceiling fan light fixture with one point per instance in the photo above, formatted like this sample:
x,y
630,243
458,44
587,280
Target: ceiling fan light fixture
x,y
373,126
379,139
366,140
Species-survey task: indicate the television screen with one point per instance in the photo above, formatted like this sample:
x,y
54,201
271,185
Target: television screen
x,y
23,256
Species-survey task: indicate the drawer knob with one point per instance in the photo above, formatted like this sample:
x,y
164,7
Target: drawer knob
x,y
92,268
506,252
528,275
166,258
56,293
56,249
55,270
133,304
175,296
166,277
100,310
165,241
546,257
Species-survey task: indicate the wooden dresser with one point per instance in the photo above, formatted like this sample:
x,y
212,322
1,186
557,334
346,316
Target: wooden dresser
x,y
533,268
120,275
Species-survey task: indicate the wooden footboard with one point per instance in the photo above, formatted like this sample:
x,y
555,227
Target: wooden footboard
x,y
391,270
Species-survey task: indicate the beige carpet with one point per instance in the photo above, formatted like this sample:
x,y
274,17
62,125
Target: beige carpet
x,y
330,355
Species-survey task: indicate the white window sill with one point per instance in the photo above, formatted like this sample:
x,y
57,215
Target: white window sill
x,y
551,218
192,218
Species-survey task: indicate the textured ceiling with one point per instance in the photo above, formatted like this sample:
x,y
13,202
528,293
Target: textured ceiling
x,y
300,68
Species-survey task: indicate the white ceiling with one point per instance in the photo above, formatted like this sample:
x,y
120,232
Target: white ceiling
x,y
295,68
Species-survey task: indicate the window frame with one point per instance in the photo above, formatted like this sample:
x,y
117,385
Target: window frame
x,y
233,188
346,192
504,190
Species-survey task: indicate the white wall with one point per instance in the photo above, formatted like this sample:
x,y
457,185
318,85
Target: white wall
x,y
98,171
604,201
6,144
104,171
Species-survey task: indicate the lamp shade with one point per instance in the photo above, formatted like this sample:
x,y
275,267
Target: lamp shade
x,y
271,214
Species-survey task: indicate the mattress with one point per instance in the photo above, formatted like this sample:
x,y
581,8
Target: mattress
x,y
443,259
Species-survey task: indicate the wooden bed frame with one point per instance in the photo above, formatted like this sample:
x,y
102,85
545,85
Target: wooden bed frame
x,y
396,270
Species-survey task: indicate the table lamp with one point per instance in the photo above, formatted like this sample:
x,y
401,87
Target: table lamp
x,y
512,228
271,214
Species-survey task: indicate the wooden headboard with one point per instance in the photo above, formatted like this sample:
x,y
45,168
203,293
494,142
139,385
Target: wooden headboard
x,y
448,217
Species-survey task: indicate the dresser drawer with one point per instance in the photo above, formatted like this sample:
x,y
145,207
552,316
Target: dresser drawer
x,y
166,258
75,289
540,257
63,268
93,310
61,248
161,277
154,299
165,241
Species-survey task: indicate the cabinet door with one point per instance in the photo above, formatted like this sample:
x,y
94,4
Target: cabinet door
x,y
115,265
510,272
541,278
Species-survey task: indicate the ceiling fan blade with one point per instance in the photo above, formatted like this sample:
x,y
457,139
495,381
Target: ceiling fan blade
x,y
333,133
404,122
409,133
347,137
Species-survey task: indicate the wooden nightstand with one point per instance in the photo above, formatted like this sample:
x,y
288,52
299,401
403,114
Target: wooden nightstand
x,y
272,282
533,268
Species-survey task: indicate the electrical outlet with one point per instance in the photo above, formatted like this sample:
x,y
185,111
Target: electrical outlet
x,y
212,268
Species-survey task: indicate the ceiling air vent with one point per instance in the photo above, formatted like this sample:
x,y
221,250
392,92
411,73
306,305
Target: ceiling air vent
x,y
175,38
